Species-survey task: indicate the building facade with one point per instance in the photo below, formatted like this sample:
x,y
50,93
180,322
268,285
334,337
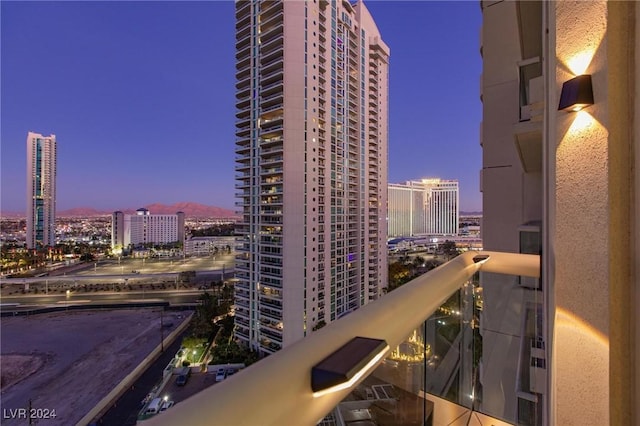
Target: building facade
x,y
208,246
424,207
311,145
41,190
146,228
561,182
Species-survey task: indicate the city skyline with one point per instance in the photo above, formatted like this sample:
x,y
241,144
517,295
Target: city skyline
x,y
141,98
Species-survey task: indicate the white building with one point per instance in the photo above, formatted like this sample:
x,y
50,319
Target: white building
x,y
41,190
424,207
311,144
146,228
207,246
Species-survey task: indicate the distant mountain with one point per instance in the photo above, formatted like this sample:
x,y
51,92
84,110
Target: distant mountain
x,y
470,213
12,215
81,212
188,208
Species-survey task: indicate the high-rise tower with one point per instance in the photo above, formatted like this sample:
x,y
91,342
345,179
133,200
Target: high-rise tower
x,y
41,190
311,145
424,207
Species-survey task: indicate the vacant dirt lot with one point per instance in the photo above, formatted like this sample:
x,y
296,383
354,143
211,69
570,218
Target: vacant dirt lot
x,y
68,362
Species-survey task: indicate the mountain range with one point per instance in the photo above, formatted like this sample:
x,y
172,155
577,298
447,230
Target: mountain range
x,y
190,209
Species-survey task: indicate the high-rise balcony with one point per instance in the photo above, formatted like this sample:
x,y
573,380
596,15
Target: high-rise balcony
x,y
272,72
243,150
242,90
272,161
273,44
242,40
241,57
272,333
270,87
271,314
271,198
271,15
270,142
271,189
241,321
243,8
243,27
271,241
271,124
268,6
426,373
244,166
269,171
242,333
242,113
243,141
243,103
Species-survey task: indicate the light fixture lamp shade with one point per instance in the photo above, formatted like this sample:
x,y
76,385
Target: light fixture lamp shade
x,y
347,364
577,94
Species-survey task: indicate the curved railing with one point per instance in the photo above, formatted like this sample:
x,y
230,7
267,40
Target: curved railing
x,y
277,390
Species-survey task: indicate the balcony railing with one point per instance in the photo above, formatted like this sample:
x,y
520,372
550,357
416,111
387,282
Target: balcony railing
x,y
278,388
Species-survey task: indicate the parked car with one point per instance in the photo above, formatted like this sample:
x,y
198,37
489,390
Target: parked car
x,y
221,374
184,377
154,406
166,406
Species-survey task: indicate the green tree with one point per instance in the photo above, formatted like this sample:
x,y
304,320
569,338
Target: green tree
x,y
418,262
202,322
398,274
449,249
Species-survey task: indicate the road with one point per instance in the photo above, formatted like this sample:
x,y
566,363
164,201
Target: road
x,y
125,411
171,296
140,270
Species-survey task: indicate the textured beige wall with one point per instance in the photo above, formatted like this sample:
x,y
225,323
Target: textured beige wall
x,y
581,234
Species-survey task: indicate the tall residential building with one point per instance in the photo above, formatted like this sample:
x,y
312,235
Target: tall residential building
x,y
562,349
311,145
41,190
424,207
146,228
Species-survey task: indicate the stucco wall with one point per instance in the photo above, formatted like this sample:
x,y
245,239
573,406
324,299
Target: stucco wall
x,y
581,234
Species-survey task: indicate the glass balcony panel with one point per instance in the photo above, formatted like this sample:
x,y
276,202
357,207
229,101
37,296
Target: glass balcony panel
x,y
530,73
432,378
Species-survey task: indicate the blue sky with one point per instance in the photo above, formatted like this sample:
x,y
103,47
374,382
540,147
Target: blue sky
x,y
141,98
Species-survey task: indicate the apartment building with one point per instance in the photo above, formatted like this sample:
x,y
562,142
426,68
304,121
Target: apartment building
x,y
146,228
311,145
424,207
41,190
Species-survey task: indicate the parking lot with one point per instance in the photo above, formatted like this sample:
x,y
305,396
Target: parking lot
x,y
67,362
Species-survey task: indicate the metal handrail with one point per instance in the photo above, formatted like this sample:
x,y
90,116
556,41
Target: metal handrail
x,y
277,389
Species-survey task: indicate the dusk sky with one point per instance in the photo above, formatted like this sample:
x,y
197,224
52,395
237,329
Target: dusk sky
x,y
140,96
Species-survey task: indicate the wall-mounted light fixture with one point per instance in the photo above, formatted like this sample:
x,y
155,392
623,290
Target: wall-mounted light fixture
x,y
577,94
343,368
481,258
